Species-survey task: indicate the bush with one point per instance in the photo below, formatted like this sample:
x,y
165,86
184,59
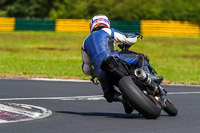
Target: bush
x,y
182,10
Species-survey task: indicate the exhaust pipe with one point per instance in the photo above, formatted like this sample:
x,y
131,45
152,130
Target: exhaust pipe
x,y
142,76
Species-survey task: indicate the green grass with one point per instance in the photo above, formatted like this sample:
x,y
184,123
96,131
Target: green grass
x,y
58,55
176,58
43,54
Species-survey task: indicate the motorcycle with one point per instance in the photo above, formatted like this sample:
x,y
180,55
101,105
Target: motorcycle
x,y
139,85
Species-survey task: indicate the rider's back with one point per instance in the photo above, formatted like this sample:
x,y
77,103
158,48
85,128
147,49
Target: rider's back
x,y
96,46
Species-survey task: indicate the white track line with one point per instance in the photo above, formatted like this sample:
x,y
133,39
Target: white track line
x,y
47,79
182,93
83,81
93,97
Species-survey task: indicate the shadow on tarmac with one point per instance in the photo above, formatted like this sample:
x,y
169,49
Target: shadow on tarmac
x,y
108,115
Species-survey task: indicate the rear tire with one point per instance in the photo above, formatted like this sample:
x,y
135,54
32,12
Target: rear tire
x,y
147,105
170,108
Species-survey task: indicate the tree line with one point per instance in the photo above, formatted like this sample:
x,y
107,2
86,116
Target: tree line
x,y
182,10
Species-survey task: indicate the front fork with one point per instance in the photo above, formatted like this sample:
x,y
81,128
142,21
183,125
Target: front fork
x,y
162,98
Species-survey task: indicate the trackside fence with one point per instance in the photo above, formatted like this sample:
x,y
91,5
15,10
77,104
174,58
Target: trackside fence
x,y
7,24
35,24
169,28
146,27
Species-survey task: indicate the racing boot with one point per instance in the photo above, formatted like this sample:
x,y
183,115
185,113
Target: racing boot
x,y
127,107
157,79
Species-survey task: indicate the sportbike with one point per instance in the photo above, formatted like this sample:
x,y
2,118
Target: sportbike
x,y
139,85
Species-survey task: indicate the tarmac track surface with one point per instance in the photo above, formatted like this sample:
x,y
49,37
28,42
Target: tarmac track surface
x,y
90,115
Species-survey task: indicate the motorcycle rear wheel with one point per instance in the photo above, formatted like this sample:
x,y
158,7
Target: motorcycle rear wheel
x,y
147,105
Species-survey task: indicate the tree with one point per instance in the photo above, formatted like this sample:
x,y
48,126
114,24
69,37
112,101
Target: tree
x,y
184,10
27,8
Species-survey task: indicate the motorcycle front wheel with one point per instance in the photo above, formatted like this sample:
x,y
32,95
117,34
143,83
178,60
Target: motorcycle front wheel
x,y
170,108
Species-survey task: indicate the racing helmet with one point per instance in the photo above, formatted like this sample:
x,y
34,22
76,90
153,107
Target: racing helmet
x,y
98,22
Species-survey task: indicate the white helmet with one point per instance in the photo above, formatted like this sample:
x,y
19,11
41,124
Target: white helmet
x,y
99,21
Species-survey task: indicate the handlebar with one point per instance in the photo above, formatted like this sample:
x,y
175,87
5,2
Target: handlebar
x,y
126,46
123,46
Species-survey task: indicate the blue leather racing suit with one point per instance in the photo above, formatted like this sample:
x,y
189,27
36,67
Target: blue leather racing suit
x,y
95,49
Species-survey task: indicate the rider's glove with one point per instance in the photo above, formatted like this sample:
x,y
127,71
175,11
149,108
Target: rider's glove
x,y
139,35
94,80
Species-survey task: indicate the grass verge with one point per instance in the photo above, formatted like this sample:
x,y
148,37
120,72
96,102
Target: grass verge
x,y
58,55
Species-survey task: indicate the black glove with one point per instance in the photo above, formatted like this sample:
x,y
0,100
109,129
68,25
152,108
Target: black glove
x,y
139,35
94,80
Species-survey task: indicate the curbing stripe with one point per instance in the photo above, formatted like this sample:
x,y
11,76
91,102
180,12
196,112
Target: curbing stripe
x,y
21,112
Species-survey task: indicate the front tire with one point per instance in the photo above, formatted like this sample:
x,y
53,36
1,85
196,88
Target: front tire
x,y
170,108
147,105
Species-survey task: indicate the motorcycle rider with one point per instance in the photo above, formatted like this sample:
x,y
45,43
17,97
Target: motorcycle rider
x,y
100,45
